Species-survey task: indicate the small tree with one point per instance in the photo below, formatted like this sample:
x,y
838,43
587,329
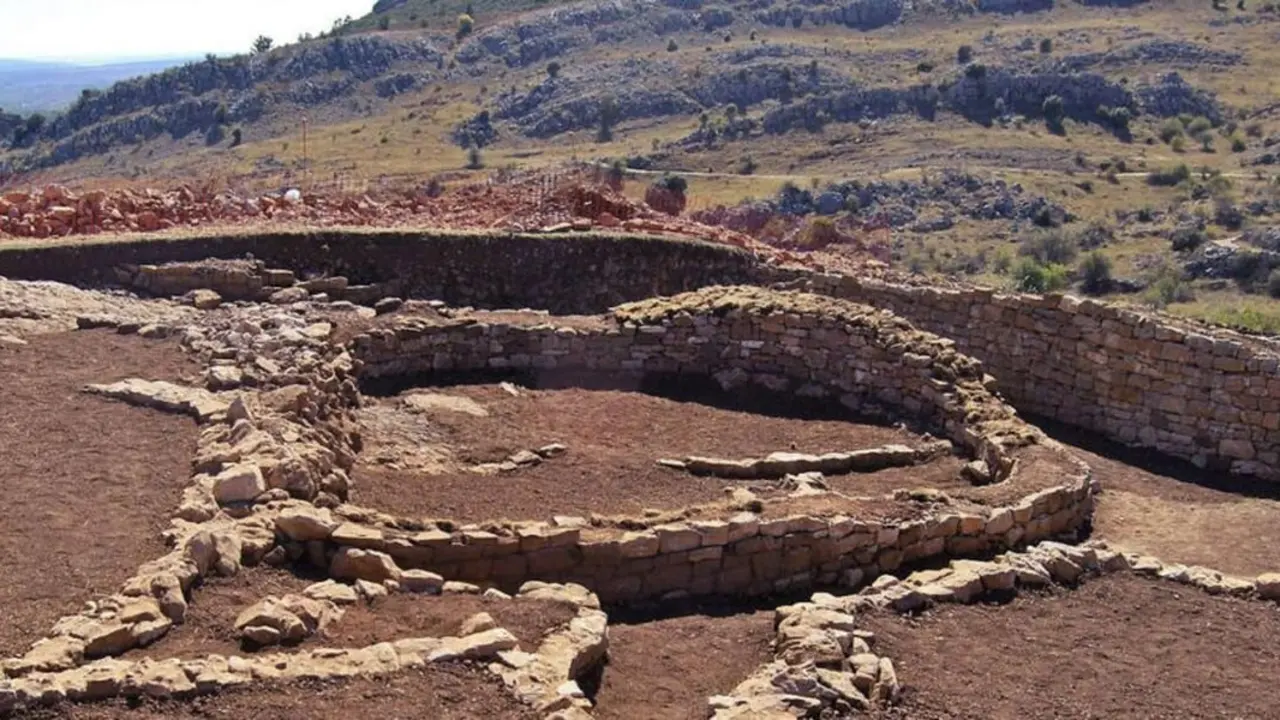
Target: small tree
x,y
672,46
608,117
237,135
1273,284
1054,114
553,69
262,44
1171,129
465,25
1046,46
964,55
1095,274
474,161
384,22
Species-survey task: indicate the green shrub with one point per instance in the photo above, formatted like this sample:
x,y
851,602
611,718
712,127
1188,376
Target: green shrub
x,y
553,69
1002,263
1170,129
1199,125
466,24
1050,247
1167,285
1169,177
1031,276
1095,274
474,160
674,183
1179,144
384,22
1185,239
1046,46
1238,144
964,55
672,46
1273,284
924,66
1054,113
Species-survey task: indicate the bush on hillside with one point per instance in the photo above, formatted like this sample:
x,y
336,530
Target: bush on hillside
x,y
1170,129
964,55
1095,274
466,24
1050,247
1169,177
1031,276
1054,114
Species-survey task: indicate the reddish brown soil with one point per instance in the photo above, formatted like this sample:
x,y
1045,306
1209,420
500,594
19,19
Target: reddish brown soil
x,y
439,692
666,669
210,626
402,616
941,474
86,484
1117,647
1180,513
211,616
614,439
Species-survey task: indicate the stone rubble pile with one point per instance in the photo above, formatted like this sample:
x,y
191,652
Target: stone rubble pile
x,y
780,464
544,678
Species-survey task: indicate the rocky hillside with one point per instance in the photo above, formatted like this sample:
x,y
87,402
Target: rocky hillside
x,y
538,74
211,96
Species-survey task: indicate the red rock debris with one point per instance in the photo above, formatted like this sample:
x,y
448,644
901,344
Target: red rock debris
x,y
523,202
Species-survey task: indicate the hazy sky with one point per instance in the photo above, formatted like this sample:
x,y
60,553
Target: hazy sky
x,y
111,29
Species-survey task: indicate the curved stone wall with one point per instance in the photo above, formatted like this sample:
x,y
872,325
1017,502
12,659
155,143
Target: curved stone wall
x,y
810,346
1209,396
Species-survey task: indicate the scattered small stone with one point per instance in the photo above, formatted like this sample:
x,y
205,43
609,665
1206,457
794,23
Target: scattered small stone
x,y
387,305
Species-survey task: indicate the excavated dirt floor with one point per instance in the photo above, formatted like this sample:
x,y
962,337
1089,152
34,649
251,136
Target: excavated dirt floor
x,y
1118,647
86,484
614,439
1179,513
439,692
666,669
210,625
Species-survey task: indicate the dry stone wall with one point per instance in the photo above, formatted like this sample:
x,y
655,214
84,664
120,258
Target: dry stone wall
x,y
814,347
1209,396
1205,395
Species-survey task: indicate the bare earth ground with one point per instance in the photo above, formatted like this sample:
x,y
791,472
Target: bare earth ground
x,y
210,626
666,669
1179,513
439,692
1118,647
86,484
614,439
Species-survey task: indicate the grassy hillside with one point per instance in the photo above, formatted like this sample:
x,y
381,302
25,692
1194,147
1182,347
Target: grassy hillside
x,y
749,97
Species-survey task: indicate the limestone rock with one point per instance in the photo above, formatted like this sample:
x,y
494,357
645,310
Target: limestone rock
x,y
306,522
204,299
478,623
421,581
481,646
288,296
1268,586
332,591
239,483
356,564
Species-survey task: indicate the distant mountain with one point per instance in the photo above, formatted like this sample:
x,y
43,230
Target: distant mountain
x,y
28,86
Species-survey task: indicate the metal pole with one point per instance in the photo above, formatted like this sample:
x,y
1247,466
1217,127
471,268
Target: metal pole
x,y
306,170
